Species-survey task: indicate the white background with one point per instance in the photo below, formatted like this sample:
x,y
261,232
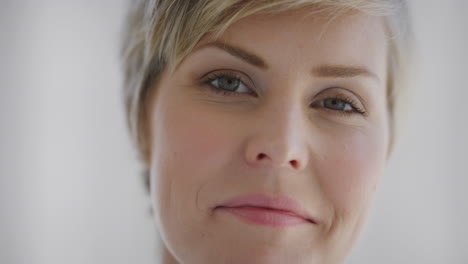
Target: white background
x,y
70,185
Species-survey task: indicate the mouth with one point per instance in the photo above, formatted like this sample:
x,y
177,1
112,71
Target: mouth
x,y
259,209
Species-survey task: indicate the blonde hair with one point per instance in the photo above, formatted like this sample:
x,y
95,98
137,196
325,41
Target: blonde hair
x,y
159,34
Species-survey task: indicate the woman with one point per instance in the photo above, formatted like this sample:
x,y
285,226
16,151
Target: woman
x,y
264,125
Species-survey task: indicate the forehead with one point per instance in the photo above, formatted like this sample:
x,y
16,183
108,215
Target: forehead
x,y
311,38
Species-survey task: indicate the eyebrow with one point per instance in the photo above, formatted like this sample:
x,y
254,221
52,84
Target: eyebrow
x,y
340,71
325,70
239,53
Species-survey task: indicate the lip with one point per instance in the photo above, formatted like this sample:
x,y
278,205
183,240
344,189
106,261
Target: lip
x,y
260,209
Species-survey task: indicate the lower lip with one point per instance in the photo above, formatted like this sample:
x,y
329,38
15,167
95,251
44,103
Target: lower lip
x,y
264,216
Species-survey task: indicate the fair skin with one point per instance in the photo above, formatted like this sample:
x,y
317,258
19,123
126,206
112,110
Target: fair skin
x,y
307,120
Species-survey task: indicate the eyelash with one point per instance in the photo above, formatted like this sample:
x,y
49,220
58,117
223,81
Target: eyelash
x,y
347,100
214,76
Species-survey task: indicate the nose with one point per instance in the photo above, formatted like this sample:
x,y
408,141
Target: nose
x,y
279,139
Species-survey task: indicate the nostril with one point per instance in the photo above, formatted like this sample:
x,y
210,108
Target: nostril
x,y
261,156
294,163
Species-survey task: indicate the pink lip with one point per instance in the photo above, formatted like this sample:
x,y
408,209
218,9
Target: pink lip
x,y
278,211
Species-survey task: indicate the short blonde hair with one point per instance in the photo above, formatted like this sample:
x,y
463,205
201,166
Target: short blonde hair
x,y
159,34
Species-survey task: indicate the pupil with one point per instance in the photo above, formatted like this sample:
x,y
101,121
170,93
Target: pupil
x,y
335,104
229,84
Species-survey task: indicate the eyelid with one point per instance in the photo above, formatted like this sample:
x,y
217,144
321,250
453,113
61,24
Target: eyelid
x,y
342,94
231,73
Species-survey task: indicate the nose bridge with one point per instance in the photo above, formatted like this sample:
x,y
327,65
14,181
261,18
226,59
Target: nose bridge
x,y
279,140
284,116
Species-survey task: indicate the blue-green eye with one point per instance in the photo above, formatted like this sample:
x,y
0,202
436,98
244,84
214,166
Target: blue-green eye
x,y
228,83
340,104
337,104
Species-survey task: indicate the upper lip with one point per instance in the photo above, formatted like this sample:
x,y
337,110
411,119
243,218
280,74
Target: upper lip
x,y
278,202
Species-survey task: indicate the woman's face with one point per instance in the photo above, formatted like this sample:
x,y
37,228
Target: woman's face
x,y
268,143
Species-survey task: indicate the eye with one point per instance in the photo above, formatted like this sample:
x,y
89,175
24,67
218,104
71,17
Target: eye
x,y
337,104
229,84
340,104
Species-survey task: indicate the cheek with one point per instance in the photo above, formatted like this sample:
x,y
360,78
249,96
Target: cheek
x,y
189,146
198,138
351,170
